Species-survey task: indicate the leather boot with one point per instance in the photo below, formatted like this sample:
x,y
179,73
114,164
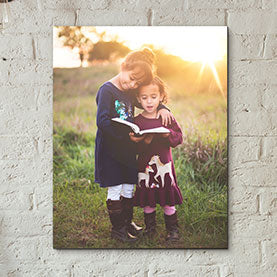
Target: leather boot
x,y
128,207
171,224
150,223
119,230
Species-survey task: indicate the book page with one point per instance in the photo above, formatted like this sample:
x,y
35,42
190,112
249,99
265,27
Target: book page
x,y
159,130
134,127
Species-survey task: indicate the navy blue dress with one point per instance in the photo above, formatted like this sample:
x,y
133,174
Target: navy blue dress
x,y
115,153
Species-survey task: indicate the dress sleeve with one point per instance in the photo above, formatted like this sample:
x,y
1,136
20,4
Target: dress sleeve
x,y
103,118
176,136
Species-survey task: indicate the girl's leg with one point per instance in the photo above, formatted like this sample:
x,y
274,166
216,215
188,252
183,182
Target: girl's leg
x,y
128,207
114,192
116,214
149,210
149,220
171,223
169,210
128,190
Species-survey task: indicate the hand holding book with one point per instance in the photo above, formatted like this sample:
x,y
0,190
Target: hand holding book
x,y
146,137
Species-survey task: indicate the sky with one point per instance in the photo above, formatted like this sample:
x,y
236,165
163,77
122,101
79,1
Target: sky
x,y
206,44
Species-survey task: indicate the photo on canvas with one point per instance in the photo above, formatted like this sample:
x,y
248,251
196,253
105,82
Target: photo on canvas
x,y
140,142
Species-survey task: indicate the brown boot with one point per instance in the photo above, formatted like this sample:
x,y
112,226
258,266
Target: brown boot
x,y
119,230
128,207
150,223
171,223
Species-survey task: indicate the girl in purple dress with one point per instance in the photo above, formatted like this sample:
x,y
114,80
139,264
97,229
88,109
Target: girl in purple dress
x,y
157,183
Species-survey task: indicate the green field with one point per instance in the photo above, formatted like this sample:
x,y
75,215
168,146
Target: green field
x,y
80,215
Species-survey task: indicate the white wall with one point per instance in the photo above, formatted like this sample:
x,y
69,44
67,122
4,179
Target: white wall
x,y
26,140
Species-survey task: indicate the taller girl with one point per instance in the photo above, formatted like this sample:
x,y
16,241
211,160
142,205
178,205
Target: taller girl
x,y
115,154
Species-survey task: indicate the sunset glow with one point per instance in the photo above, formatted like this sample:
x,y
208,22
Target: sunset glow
x,y
194,44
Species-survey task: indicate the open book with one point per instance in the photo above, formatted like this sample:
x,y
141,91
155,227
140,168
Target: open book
x,y
137,131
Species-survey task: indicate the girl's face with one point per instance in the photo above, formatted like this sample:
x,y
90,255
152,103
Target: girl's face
x,y
149,97
131,79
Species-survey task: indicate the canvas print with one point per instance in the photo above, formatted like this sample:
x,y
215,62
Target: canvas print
x,y
140,137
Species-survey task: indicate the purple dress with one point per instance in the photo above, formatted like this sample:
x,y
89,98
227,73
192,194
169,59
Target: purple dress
x,y
157,182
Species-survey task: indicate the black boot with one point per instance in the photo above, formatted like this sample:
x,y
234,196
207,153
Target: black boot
x,y
128,207
150,223
119,230
171,224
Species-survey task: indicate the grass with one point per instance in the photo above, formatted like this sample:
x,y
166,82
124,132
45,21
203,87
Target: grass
x,y
80,216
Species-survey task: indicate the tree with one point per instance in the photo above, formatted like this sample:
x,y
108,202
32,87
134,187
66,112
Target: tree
x,y
107,51
73,37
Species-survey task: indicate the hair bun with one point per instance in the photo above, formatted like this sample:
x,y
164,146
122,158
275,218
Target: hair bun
x,y
149,55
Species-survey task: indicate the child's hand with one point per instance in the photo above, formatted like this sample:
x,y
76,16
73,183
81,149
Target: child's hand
x,y
166,135
148,138
136,139
166,115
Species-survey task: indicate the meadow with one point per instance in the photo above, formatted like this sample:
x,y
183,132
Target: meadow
x,y
79,209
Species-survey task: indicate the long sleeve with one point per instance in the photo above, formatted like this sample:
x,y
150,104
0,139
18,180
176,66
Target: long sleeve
x,y
176,137
103,117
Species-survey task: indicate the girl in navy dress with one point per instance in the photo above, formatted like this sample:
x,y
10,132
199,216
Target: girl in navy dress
x,y
157,182
115,154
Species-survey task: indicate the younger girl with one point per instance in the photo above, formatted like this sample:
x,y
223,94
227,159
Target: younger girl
x,y
115,154
157,180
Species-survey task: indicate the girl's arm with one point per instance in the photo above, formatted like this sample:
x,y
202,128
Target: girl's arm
x,y
103,118
176,136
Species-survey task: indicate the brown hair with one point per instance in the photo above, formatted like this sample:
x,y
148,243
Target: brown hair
x,y
145,60
163,89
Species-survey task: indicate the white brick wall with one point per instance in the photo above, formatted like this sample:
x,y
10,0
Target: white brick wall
x,y
26,143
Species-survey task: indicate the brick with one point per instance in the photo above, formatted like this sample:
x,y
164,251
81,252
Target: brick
x,y
77,5
43,197
4,71
16,47
26,223
15,249
269,150
17,173
43,47
251,123
252,227
269,4
246,98
37,268
199,17
253,72
121,17
33,122
253,22
12,198
269,255
225,4
256,174
249,146
20,148
243,199
268,202
245,46
269,98
26,21
30,72
270,48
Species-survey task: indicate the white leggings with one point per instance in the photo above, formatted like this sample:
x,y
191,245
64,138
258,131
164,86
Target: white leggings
x,y
126,190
